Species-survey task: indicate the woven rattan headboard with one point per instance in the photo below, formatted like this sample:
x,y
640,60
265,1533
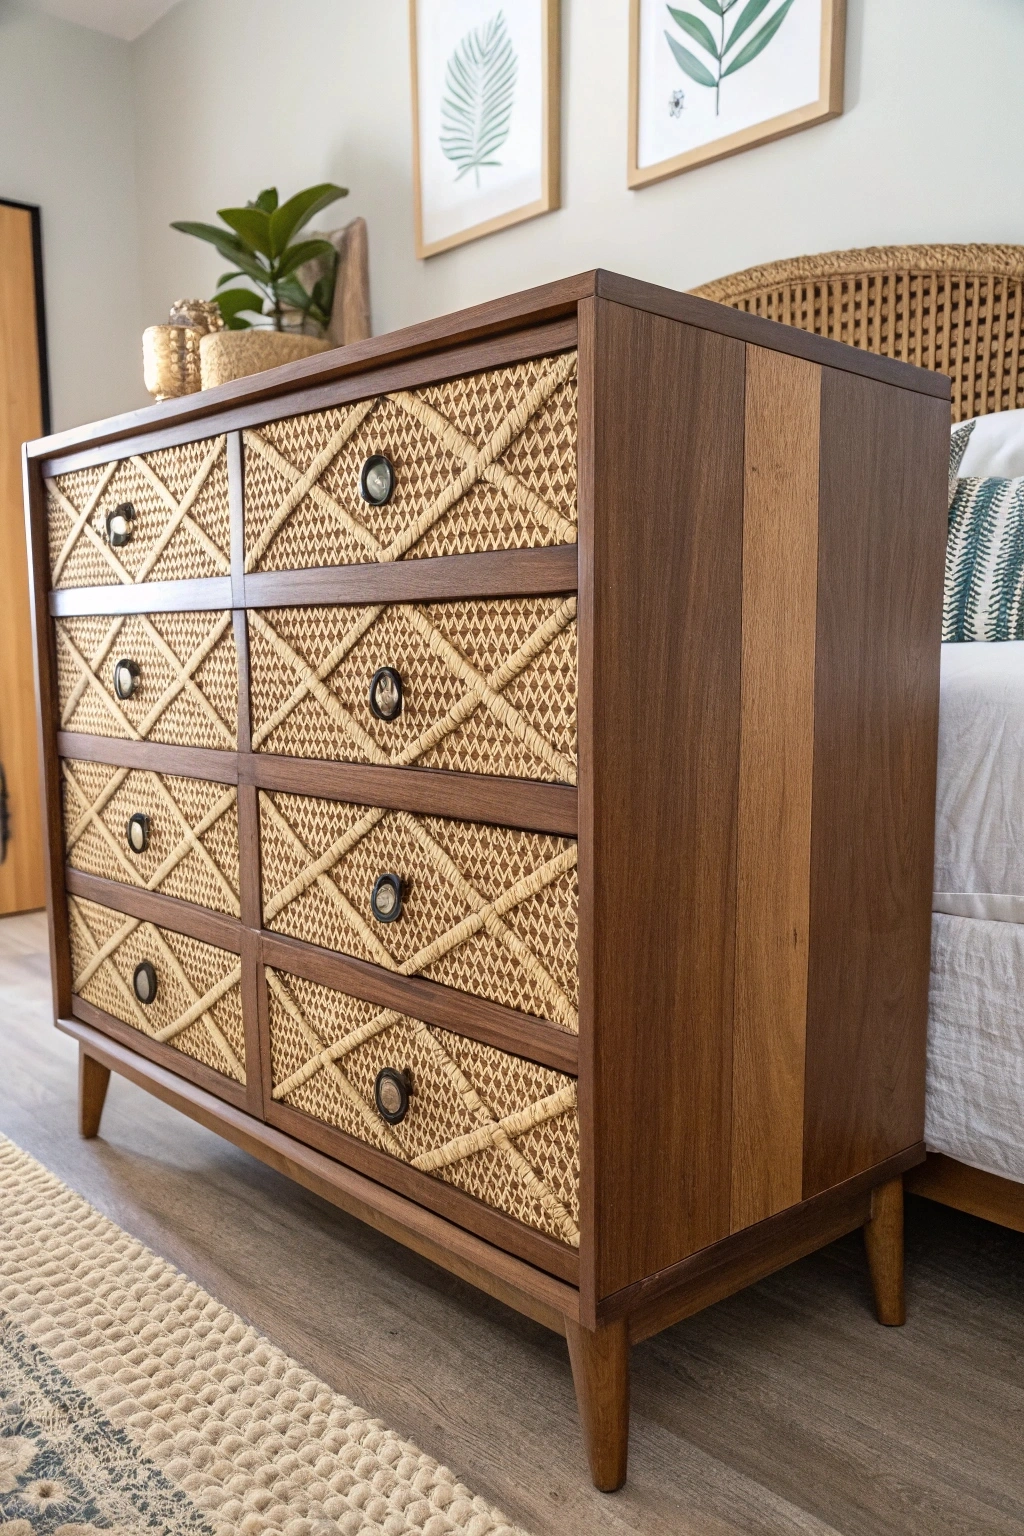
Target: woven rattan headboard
x,y
956,308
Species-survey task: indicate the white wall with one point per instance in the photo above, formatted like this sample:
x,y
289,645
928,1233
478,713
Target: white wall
x,y
223,97
66,143
235,94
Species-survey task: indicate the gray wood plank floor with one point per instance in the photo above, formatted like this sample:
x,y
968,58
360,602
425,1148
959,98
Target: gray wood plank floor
x,y
785,1409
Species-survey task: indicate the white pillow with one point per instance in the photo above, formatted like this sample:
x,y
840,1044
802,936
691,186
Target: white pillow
x,y
996,446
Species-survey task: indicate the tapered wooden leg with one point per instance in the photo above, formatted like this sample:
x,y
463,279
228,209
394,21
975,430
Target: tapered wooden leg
x,y
600,1371
883,1238
93,1079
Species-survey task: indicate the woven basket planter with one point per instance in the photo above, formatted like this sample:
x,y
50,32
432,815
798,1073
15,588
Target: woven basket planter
x,y
227,355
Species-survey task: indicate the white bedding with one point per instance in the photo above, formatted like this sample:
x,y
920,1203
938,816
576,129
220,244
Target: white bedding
x,y
979,824
975,1093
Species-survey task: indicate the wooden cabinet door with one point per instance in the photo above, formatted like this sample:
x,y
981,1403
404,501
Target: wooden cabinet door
x,y
21,418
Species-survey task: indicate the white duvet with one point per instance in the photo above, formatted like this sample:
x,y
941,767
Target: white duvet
x,y
975,1096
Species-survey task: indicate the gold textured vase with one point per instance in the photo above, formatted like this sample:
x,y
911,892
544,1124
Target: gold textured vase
x,y
170,360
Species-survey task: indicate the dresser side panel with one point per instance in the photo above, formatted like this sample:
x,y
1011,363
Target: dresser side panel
x,y
662,582
881,544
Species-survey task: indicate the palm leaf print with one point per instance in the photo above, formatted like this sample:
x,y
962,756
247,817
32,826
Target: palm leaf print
x,y
973,519
476,108
725,62
1003,621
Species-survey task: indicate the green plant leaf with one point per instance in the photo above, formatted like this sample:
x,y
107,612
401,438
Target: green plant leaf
x,y
305,250
713,5
236,302
479,92
267,200
252,226
228,245
696,29
293,293
689,63
759,41
298,210
749,14
228,277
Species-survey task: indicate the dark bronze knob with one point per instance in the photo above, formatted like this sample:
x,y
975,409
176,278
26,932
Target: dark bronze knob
x,y
391,1094
127,676
386,898
137,832
377,480
386,693
144,982
120,525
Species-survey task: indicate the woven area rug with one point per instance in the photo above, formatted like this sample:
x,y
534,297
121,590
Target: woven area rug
x,y
131,1401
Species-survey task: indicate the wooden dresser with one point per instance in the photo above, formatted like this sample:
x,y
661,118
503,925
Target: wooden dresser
x,y
489,772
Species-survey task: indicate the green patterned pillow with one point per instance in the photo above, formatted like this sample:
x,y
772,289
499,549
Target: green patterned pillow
x,y
984,598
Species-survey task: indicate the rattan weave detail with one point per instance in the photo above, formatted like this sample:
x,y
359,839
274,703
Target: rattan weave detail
x,y
193,832
180,496
482,462
497,1126
198,1005
957,309
487,687
188,692
486,910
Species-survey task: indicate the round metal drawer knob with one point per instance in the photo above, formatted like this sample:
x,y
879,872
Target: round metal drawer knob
x,y
144,982
386,898
137,832
127,676
120,525
386,693
391,1094
377,480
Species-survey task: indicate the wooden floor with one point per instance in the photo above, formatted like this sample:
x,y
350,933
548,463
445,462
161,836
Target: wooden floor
x,y
785,1409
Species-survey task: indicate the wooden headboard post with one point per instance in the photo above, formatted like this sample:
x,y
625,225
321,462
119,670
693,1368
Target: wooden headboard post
x,y
954,308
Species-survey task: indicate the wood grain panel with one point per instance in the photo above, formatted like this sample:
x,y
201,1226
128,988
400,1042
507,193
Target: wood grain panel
x,y
881,554
154,907
158,1052
773,851
199,594
660,585
162,757
21,417
492,573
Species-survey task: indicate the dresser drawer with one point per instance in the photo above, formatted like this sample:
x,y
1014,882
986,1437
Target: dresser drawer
x,y
481,687
186,688
482,462
484,909
159,516
154,830
497,1126
196,1005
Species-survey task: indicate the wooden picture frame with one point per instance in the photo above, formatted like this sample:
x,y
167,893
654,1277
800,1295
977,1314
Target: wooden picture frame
x,y
431,235
829,102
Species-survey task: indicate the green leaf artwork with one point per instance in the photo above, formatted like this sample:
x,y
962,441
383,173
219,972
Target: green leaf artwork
x,y
724,61
476,108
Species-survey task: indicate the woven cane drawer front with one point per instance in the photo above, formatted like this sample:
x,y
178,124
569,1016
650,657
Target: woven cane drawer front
x,y
177,525
486,687
197,1007
187,687
483,462
500,1128
484,909
187,828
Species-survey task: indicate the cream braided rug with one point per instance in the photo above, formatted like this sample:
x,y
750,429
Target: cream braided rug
x,y
131,1401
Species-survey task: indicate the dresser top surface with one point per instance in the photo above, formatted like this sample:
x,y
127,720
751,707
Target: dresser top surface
x,y
531,307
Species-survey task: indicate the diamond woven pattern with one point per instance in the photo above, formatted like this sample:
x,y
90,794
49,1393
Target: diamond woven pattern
x,y
486,910
497,1126
188,691
198,1005
180,497
193,832
487,687
482,462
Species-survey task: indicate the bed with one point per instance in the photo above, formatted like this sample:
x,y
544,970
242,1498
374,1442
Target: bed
x,y
960,310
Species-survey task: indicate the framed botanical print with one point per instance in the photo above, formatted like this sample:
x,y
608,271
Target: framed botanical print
x,y
485,103
709,78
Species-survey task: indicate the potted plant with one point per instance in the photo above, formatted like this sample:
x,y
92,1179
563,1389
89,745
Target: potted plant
x,y
272,317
